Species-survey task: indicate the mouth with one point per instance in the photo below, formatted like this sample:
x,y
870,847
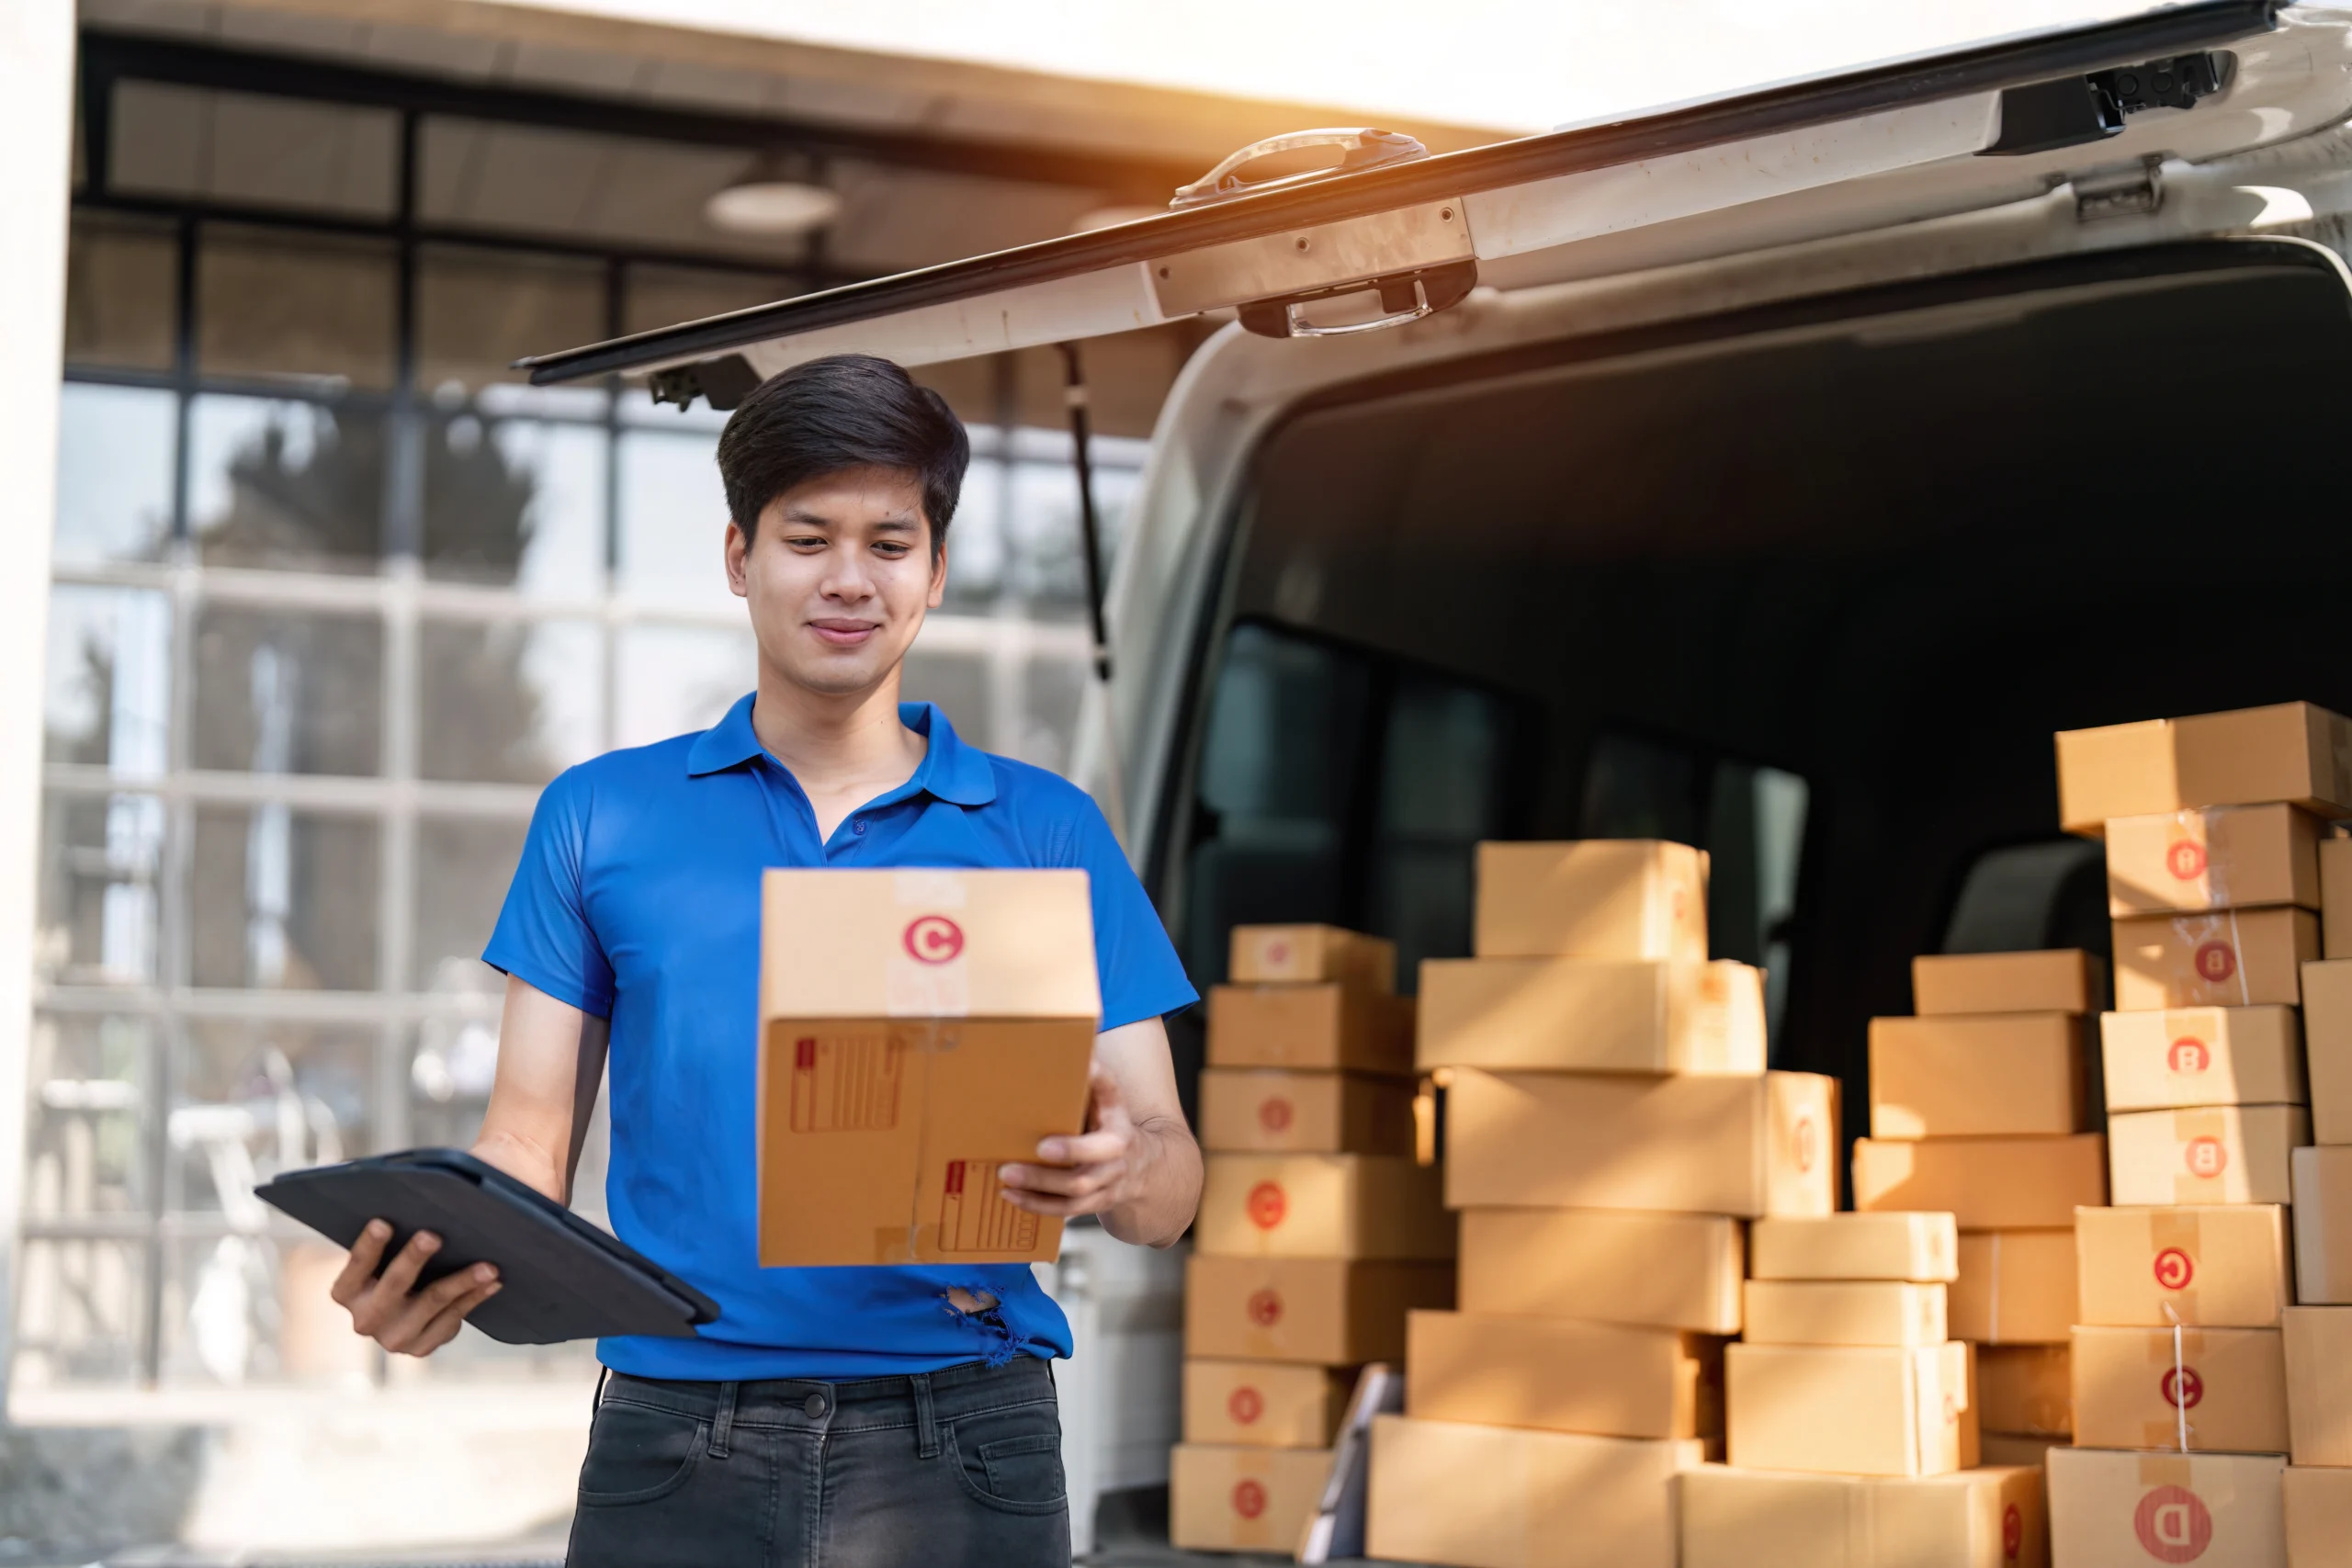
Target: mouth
x,y
838,633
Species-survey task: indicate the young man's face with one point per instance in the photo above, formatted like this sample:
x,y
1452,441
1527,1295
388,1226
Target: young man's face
x,y
838,574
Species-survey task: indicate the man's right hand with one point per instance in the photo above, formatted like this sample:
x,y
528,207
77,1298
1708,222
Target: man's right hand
x,y
391,1310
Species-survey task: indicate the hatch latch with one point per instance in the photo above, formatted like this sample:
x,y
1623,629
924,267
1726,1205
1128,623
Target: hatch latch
x,y
2073,110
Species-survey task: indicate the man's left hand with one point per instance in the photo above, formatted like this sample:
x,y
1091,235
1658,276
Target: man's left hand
x,y
1092,1173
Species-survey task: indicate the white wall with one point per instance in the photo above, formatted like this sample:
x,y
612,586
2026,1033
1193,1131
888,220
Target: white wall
x,y
36,128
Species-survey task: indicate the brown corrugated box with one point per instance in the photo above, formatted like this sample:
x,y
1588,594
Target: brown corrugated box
x,y
1968,1518
1591,899
2180,1057
2318,1341
1563,1375
1987,1183
2318,1504
2213,1265
2015,1447
1329,1026
1764,1145
1327,1311
1612,1266
918,1029
2327,1040
1508,1497
2290,752
1236,1498
2224,1389
2212,1153
1843,1312
2221,857
2322,1218
1592,1015
2025,1388
1305,954
1888,1246
1976,1075
2062,979
1272,1404
2335,897
2131,1510
1321,1206
1850,1410
1270,1110
2234,959
2015,1288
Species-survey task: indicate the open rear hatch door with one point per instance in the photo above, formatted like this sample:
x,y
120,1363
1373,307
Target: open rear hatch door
x,y
1391,234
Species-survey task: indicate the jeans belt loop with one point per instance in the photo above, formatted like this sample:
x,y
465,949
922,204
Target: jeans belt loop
x,y
926,1423
724,1421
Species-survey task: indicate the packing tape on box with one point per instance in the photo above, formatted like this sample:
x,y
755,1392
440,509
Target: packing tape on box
x,y
2189,855
2204,957
1993,1314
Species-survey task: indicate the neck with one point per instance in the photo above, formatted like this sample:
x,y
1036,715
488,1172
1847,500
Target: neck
x,y
823,736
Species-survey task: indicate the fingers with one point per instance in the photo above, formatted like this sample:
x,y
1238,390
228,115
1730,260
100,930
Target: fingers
x,y
359,1265
400,1275
1074,1181
1086,1148
408,1328
444,1325
1059,1208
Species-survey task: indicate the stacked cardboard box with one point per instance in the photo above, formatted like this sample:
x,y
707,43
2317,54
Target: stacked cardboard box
x,y
2180,1364
1318,1229
1977,1106
1609,1124
2318,1332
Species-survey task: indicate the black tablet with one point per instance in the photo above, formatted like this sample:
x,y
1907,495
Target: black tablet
x,y
563,1278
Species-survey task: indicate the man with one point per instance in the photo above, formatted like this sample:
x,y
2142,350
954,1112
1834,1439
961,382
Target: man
x,y
867,1416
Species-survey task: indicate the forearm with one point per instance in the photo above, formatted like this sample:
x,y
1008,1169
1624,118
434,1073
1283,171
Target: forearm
x,y
527,1159
1166,1189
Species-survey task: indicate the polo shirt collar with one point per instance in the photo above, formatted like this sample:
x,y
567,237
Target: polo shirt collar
x,y
950,770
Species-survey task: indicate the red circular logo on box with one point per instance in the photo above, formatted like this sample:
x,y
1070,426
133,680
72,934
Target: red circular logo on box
x,y
2205,1157
1244,1405
2012,1532
1277,954
2184,860
933,939
1267,1205
2175,1269
2173,1525
2181,1386
2189,1055
1275,1114
1803,1138
2216,961
1249,1499
1266,1307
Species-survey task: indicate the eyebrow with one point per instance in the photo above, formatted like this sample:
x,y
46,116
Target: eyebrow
x,y
810,519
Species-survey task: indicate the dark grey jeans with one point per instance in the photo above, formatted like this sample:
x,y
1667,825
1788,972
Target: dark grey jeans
x,y
962,1466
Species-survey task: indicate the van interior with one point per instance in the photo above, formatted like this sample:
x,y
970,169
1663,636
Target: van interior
x,y
1809,586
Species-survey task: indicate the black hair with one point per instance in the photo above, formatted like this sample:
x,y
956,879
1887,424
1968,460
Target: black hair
x,y
845,411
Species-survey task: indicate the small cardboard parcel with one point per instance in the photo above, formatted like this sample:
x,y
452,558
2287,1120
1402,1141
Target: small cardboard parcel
x,y
918,1029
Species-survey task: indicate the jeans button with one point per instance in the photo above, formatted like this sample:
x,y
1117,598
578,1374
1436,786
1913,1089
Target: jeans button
x,y
814,1405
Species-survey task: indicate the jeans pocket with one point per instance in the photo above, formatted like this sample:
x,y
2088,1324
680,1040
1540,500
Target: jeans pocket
x,y
1012,1459
638,1453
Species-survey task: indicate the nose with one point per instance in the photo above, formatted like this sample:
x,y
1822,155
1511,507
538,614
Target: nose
x,y
846,579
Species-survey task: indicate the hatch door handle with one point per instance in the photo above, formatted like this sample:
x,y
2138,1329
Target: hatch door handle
x,y
1362,147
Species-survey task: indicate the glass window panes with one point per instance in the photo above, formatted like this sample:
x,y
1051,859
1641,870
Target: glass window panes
x,y
121,285
675,679
108,688
285,484
254,149
508,702
288,691
91,1080
514,503
463,866
100,889
479,310
80,1310
288,900
114,448
275,304
673,521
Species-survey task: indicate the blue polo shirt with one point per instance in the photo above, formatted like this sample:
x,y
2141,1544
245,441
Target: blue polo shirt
x,y
638,898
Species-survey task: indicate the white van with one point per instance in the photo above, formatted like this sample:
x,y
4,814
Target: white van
x,y
1774,472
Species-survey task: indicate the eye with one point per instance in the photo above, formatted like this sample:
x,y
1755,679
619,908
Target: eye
x,y
805,541
890,548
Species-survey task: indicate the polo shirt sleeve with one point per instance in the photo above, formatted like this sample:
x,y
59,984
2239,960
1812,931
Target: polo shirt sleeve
x,y
543,937
1140,974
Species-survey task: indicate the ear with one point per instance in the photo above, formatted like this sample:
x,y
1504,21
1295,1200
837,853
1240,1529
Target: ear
x,y
938,579
739,550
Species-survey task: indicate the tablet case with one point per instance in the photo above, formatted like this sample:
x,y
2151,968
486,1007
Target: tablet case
x,y
564,1279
